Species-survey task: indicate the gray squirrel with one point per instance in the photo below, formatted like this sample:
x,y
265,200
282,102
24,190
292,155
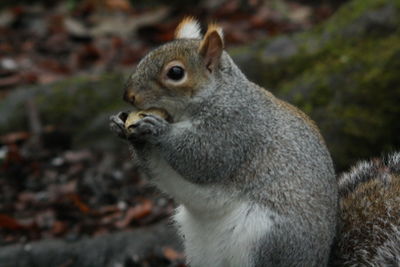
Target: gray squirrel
x,y
252,176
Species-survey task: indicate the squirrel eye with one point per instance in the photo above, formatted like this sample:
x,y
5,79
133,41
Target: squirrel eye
x,y
176,73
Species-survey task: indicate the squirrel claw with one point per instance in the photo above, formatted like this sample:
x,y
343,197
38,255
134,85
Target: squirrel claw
x,y
149,128
117,124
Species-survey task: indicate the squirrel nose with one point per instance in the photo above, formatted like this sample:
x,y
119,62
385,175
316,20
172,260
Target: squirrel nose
x,y
129,97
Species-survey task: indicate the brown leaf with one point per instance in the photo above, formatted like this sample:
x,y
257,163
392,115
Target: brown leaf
x,y
135,213
77,156
172,255
10,81
14,137
68,189
29,77
121,5
46,78
26,197
76,200
108,209
10,223
107,219
86,56
53,65
13,156
299,14
59,228
258,19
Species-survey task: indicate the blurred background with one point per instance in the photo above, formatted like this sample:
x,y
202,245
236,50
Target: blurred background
x,y
69,191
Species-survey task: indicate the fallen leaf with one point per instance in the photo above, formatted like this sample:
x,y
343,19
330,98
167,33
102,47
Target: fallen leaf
x,y
76,200
10,81
77,156
59,228
121,5
14,137
135,213
172,255
113,217
10,223
258,19
76,27
13,156
127,26
59,190
54,65
87,55
29,77
300,14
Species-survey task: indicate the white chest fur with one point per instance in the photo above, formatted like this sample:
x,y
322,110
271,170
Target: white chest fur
x,y
227,240
219,228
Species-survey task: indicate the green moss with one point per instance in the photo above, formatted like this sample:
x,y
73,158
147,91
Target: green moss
x,y
350,12
345,75
81,97
363,81
79,105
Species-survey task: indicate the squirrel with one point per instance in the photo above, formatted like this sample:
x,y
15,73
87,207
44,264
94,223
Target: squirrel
x,y
369,211
252,176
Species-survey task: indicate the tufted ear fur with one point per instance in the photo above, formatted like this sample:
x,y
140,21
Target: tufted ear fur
x,y
211,46
189,28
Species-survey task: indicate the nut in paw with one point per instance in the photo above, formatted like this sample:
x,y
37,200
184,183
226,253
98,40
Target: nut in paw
x,y
146,125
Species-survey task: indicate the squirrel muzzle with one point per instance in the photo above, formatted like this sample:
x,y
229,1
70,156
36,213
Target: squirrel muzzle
x,y
130,97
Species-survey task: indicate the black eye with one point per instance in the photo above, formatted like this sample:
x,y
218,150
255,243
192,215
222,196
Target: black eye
x,y
176,73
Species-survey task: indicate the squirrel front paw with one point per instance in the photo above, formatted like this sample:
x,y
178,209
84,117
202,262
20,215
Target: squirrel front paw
x,y
117,125
148,129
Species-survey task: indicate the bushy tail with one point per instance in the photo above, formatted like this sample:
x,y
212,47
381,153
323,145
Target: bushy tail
x,y
369,233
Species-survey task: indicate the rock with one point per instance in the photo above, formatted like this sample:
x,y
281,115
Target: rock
x,y
127,248
281,48
79,106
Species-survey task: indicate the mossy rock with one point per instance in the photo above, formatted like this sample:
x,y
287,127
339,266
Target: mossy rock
x,y
79,106
343,73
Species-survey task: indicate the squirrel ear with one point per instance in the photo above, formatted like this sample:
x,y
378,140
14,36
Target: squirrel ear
x,y
189,28
211,46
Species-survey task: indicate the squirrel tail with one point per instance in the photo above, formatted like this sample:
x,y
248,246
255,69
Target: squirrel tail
x,y
369,229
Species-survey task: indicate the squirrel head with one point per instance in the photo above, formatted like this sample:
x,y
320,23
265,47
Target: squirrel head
x,y
172,75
